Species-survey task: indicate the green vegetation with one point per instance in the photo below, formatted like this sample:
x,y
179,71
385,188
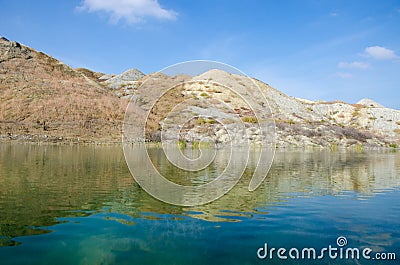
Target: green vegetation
x,y
393,145
205,121
334,147
250,119
359,148
181,144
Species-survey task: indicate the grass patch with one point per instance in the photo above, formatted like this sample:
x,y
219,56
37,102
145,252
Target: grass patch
x,y
205,121
250,119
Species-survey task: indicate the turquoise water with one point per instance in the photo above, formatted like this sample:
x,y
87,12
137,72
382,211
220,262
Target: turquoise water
x,y
80,205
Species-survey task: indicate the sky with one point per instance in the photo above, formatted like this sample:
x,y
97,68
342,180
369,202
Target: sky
x,y
318,50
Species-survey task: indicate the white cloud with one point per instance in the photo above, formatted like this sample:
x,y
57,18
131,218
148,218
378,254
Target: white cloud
x,y
133,11
380,53
353,65
344,75
334,14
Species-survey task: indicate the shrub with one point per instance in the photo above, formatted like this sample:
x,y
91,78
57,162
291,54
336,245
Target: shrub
x,y
250,119
181,144
205,121
204,94
351,133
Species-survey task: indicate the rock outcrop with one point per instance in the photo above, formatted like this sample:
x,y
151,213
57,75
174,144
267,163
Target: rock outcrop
x,y
370,103
298,122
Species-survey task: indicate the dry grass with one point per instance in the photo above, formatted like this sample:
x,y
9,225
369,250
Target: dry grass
x,y
161,109
94,76
44,96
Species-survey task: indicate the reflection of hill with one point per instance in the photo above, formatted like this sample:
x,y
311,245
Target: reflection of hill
x,y
308,173
335,171
42,183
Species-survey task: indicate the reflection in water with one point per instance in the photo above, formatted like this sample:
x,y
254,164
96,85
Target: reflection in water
x,y
40,183
55,188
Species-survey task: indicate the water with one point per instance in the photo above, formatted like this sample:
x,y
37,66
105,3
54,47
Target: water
x,y
80,205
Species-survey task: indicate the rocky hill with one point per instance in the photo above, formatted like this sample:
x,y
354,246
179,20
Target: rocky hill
x,y
42,99
298,122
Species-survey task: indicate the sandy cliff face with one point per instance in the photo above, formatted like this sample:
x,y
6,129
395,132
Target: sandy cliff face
x,y
40,97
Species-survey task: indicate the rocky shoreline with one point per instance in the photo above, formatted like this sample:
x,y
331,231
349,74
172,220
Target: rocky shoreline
x,y
48,140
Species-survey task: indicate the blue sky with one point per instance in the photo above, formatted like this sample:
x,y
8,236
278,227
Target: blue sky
x,y
312,49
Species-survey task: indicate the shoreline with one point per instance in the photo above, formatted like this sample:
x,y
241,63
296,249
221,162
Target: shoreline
x,y
71,141
56,140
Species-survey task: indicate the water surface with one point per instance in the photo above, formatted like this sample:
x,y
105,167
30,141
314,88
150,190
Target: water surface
x,y
80,205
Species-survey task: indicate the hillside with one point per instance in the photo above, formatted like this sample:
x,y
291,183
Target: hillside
x,y
298,122
42,99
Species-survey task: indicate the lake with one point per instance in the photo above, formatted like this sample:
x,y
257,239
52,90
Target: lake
x,y
80,205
